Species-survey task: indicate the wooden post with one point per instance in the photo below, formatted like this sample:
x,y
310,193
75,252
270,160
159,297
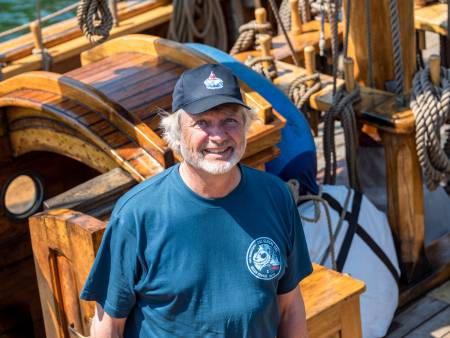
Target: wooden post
x,y
36,33
405,208
310,63
113,8
435,69
261,17
349,74
421,39
296,22
265,41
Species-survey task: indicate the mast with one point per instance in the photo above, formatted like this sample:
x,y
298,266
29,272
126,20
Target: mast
x,y
382,50
404,178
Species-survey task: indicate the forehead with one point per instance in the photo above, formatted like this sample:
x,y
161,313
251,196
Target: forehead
x,y
225,110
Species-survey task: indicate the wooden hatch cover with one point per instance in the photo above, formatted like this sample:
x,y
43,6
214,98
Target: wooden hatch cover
x,y
104,114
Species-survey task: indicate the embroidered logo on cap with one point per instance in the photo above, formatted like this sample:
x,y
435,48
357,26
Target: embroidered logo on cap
x,y
213,82
264,259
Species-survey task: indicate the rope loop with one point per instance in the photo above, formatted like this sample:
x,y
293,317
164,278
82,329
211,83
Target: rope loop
x,y
95,20
257,64
342,108
430,105
299,92
248,36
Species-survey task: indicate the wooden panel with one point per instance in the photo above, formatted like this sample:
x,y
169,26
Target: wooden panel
x,y
58,33
383,68
64,234
310,37
76,46
405,198
432,18
114,112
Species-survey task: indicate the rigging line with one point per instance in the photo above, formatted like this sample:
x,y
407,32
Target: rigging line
x,y
280,23
347,27
368,14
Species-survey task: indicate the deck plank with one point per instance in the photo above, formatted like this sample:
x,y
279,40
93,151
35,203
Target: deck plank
x,y
436,327
417,314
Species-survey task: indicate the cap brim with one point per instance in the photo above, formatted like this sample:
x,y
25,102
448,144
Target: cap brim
x,y
210,102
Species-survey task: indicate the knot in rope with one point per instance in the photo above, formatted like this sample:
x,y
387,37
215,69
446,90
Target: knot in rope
x,y
342,108
95,20
248,36
257,64
299,91
430,105
210,29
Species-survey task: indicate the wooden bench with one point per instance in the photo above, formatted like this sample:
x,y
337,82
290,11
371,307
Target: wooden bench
x,y
65,243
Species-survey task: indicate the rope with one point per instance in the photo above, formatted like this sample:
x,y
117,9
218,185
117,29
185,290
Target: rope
x,y
342,108
333,13
95,20
368,11
430,105
273,5
397,48
184,26
299,92
294,186
257,64
248,36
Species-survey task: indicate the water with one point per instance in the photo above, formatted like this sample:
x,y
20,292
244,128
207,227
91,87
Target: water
x,y
17,12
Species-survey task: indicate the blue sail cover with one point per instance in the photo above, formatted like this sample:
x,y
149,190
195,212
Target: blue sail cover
x,y
298,151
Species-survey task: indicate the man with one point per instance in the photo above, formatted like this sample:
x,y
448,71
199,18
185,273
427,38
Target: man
x,y
208,248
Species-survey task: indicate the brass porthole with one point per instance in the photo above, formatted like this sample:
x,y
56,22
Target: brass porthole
x,y
22,195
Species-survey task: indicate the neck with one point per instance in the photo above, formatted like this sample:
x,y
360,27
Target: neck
x,y
208,185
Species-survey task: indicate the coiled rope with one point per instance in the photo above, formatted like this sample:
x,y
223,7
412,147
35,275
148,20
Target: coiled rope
x,y
95,20
248,36
184,26
431,107
299,91
342,108
257,64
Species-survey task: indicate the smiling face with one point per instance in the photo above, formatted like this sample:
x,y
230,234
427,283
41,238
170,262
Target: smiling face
x,y
213,141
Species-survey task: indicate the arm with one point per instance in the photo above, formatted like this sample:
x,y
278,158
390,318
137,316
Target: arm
x,y
293,316
105,326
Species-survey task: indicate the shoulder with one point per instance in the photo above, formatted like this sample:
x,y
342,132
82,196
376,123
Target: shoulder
x,y
144,193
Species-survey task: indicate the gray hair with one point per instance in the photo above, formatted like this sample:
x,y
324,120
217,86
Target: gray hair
x,y
171,126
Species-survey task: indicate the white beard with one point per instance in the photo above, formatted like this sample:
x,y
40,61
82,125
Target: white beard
x,y
197,160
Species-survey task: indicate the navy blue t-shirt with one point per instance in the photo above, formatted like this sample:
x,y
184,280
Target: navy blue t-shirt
x,y
180,265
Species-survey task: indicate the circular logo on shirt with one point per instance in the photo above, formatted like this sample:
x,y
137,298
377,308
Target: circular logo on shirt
x,y
263,258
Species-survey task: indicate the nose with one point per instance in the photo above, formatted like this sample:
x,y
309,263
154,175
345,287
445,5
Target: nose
x,y
217,133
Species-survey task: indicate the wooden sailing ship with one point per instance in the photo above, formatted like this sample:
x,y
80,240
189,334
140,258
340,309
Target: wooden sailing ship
x,y
63,42
99,121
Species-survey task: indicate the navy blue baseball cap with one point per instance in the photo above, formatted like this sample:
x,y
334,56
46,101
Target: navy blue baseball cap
x,y
205,87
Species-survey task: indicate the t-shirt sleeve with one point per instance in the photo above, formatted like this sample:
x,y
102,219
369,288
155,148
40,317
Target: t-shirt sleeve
x,y
112,277
298,264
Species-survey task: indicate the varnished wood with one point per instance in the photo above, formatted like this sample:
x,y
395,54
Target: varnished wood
x,y
310,62
405,198
310,36
261,16
65,234
36,34
75,46
332,304
349,75
435,69
383,68
432,18
296,21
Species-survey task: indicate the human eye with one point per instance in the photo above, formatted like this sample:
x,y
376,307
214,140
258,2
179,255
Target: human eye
x,y
200,123
231,121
